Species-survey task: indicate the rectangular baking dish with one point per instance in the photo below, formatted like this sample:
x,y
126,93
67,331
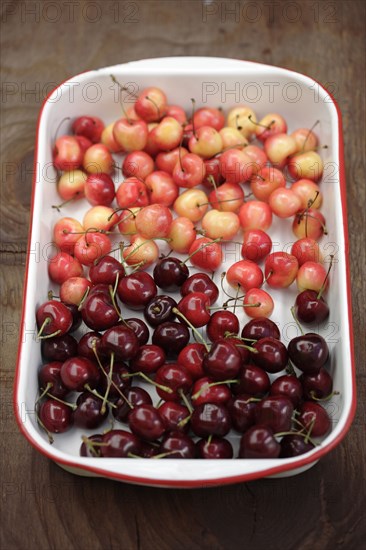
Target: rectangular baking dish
x,y
212,82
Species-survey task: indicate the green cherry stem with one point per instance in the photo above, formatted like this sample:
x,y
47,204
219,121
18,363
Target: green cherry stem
x,y
296,320
326,278
194,329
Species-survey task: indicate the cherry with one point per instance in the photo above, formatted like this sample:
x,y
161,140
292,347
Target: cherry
x,y
177,445
145,422
306,250
271,354
222,323
99,189
148,359
242,412
255,215
223,361
59,348
137,163
77,372
294,445
308,165
134,397
205,390
200,282
66,232
217,224
88,449
119,443
98,312
136,290
71,185
90,127
72,291
191,357
160,310
119,381
149,450
176,378
49,374
213,448
206,254
131,135
162,188
122,341
175,416
240,346
258,303
317,386
227,198
170,273
56,417
310,307
76,316
171,336
154,221
259,442
106,270
63,266
140,329
210,419
209,116
253,380
189,171
91,246
309,352
67,153
260,328
315,418
280,269
276,412
182,234
257,244
289,386
53,319
195,309
88,413
87,343
132,192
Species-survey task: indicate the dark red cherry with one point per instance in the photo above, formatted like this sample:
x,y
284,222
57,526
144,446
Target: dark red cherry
x,y
119,379
177,445
276,412
88,449
242,412
170,273
210,419
98,312
259,328
221,324
88,342
216,447
206,390
311,309
253,380
79,371
195,308
119,443
139,328
101,288
122,341
88,413
106,271
174,416
308,352
200,282
294,445
287,385
135,396
240,346
259,442
76,316
149,450
171,336
59,348
176,378
145,422
136,290
191,357
149,359
159,310
315,418
223,361
317,386
53,318
56,417
50,374
271,355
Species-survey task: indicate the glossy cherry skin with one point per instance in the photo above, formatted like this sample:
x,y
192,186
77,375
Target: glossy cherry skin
x,y
159,310
260,328
314,416
90,450
106,271
140,329
49,373
259,442
276,412
242,412
79,371
210,419
172,337
148,359
120,443
240,346
317,386
145,422
122,341
136,290
289,386
217,447
271,355
294,445
253,380
98,312
56,417
194,307
88,412
221,324
176,378
174,416
76,316
88,342
191,357
170,273
135,396
119,380
57,317
59,348
311,309
308,352
200,282
178,445
205,390
223,361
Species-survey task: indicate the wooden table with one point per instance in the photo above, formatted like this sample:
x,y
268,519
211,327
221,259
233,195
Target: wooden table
x,y
44,43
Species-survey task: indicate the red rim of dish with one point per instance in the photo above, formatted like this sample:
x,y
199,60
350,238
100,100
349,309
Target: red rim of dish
x,y
300,462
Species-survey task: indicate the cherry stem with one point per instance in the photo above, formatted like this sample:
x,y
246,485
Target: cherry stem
x,y
281,434
50,438
94,348
56,333
71,405
184,421
236,123
194,329
253,350
120,210
200,248
233,335
211,385
231,147
185,401
92,444
261,125
223,275
59,206
326,278
326,398
308,134
109,383
155,105
44,324
149,380
59,126
163,455
85,295
97,394
122,89
115,305
290,368
44,392
296,320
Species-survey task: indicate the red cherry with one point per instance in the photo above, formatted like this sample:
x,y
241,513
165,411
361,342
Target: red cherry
x,y
195,308
53,318
77,372
56,417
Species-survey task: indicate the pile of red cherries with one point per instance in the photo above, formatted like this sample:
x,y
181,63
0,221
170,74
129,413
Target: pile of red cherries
x,y
175,380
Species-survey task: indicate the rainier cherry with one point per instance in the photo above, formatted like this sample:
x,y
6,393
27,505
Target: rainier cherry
x,y
91,246
137,163
153,221
305,139
162,188
98,159
141,251
309,193
132,192
65,234
310,223
166,160
279,148
220,225
109,141
209,116
258,303
235,166
181,235
99,189
308,165
71,185
167,135
206,254
284,202
205,142
151,104
67,153
245,274
280,269
306,250
63,266
73,290
228,197
265,181
100,218
191,204
131,135
243,119
311,276
256,245
270,125
189,171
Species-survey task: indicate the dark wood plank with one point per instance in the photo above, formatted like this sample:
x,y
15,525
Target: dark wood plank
x,y
44,507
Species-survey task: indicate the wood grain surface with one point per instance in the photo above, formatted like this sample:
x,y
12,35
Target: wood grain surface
x,y
43,43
